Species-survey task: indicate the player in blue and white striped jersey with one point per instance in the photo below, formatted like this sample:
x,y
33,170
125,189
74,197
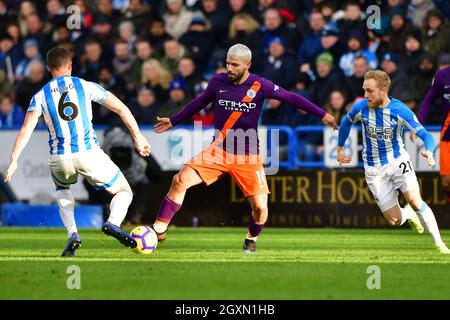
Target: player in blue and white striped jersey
x,y
387,164
65,104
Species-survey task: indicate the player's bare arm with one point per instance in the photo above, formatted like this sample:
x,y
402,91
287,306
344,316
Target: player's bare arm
x,y
115,105
329,120
341,157
31,119
164,124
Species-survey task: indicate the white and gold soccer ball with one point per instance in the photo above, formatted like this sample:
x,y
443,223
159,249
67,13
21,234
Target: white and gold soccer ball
x,y
146,239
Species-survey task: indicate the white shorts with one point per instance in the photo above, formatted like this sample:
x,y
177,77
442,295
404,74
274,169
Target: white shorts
x,y
94,165
386,180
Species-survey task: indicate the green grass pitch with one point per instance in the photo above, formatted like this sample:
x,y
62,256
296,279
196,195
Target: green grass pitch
x,y
207,263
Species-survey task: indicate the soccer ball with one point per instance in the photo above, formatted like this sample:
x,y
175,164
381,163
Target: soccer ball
x,y
146,239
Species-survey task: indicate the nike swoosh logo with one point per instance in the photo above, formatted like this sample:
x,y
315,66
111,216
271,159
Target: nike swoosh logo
x,y
222,91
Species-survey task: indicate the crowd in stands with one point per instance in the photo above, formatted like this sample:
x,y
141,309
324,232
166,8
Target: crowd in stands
x,y
156,55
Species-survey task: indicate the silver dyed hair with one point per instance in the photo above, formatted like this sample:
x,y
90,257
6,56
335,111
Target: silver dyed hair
x,y
241,52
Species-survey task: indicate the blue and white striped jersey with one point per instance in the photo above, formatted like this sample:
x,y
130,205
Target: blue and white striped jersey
x,y
65,103
382,130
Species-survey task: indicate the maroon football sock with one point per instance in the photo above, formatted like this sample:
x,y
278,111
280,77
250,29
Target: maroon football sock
x,y
167,210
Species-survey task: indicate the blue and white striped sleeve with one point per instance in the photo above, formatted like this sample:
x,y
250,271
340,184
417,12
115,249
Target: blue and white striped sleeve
x,y
97,92
35,105
410,120
354,115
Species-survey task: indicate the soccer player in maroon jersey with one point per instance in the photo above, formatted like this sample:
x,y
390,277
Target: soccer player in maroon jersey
x,y
238,96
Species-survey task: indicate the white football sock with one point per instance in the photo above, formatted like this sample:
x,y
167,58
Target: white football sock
x,y
119,207
429,223
406,214
66,205
160,226
249,237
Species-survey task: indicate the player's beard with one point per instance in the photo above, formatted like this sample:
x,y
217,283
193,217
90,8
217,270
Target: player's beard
x,y
235,77
375,103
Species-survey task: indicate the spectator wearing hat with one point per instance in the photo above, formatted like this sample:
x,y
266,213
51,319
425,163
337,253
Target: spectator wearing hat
x,y
177,100
399,28
206,115
356,48
146,107
187,71
157,78
274,26
436,34
177,18
10,113
330,41
420,81
220,67
443,61
417,11
327,79
399,79
311,45
410,58
33,82
31,50
279,64
197,40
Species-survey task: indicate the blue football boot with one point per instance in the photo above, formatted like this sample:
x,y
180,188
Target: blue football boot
x,y
124,238
72,246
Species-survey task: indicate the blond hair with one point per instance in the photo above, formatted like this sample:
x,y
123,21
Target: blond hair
x,y
381,78
164,76
251,22
241,52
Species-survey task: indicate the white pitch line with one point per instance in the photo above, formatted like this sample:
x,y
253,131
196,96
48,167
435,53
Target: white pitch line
x,y
178,260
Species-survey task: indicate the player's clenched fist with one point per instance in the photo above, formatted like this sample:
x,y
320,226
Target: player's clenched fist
x,y
163,125
142,145
430,158
329,120
340,156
